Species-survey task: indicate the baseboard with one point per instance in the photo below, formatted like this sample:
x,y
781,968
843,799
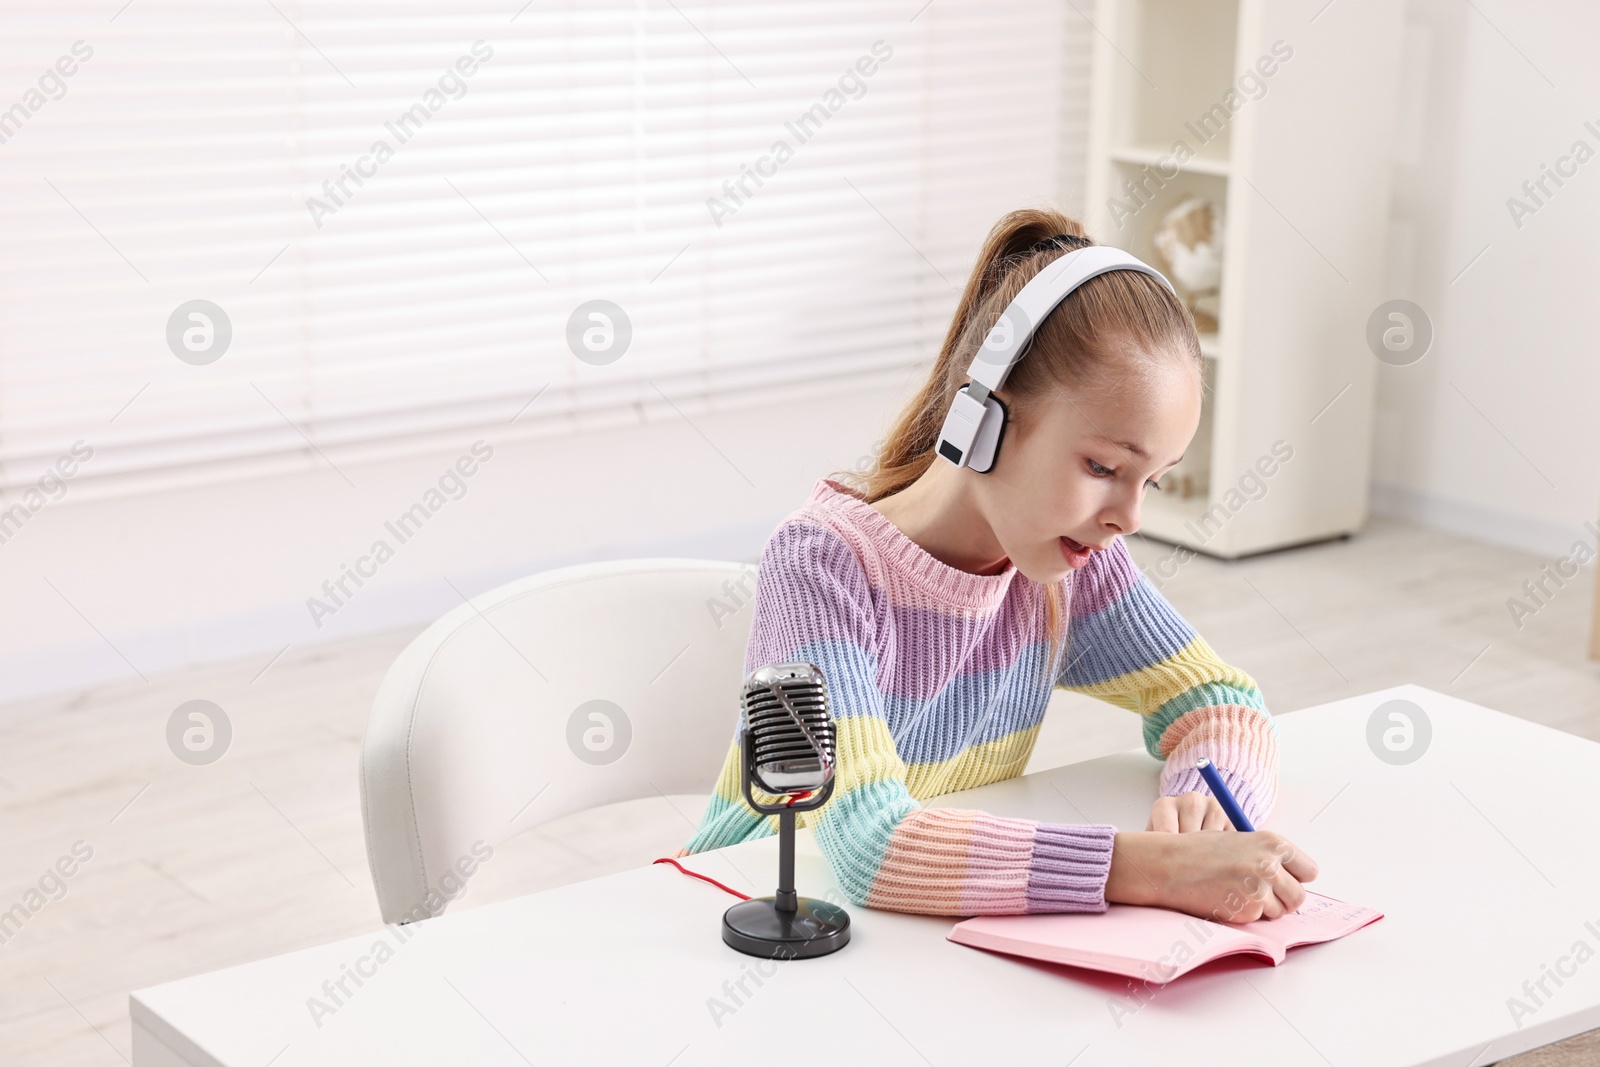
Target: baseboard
x,y
265,631
1539,536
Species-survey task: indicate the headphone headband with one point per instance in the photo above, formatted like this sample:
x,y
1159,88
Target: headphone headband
x,y
975,424
1007,341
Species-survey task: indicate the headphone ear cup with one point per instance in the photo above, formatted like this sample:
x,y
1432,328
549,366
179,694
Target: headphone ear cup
x,y
991,429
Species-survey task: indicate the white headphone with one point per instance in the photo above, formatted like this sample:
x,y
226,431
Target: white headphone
x,y
972,431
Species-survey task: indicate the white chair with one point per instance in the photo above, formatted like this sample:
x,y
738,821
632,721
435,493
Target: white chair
x,y
556,693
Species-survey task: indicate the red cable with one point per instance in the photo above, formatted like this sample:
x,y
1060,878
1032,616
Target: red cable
x,y
703,878
713,881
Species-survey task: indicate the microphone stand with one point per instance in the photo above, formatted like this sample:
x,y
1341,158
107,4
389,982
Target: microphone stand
x,y
785,925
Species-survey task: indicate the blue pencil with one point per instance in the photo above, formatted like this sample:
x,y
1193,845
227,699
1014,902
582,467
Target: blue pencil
x,y
1224,796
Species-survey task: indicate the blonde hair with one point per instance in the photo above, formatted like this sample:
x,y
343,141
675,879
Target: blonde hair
x,y
1104,325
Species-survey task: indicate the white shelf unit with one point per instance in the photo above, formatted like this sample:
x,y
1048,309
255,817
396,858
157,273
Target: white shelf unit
x,y
1300,167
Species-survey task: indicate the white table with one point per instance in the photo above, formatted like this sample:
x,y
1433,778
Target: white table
x,y
1481,854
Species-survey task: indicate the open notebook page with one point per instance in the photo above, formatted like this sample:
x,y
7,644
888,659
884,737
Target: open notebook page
x,y
1158,944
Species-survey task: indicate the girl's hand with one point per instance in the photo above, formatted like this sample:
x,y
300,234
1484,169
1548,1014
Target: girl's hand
x,y
1186,812
1234,878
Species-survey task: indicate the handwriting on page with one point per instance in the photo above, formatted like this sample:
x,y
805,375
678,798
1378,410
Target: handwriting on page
x,y
1319,910
1318,918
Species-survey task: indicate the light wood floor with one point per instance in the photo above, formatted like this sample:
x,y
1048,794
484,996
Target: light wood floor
x,y
197,868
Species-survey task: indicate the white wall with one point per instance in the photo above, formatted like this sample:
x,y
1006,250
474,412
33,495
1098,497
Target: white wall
x,y
1516,332
211,573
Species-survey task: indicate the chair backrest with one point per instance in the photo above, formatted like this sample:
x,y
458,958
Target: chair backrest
x,y
559,692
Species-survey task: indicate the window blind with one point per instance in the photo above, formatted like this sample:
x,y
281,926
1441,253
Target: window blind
x,y
392,212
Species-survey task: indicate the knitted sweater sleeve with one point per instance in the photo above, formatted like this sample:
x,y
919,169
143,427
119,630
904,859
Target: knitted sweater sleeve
x,y
1128,646
814,604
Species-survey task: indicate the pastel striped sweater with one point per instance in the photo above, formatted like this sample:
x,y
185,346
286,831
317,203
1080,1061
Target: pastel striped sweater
x,y
938,682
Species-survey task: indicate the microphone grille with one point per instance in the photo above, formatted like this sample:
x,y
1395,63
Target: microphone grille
x,y
785,712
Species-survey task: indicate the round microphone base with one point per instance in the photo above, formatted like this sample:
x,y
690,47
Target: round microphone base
x,y
815,928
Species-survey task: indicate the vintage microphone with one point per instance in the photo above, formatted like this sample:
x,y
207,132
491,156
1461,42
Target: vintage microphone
x,y
788,751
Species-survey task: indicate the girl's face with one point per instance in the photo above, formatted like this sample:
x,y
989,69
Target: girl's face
x,y
1073,470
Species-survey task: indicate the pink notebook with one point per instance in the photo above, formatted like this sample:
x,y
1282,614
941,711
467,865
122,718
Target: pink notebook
x,y
1158,944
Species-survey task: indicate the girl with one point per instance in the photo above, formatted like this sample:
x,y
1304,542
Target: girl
x,y
943,605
